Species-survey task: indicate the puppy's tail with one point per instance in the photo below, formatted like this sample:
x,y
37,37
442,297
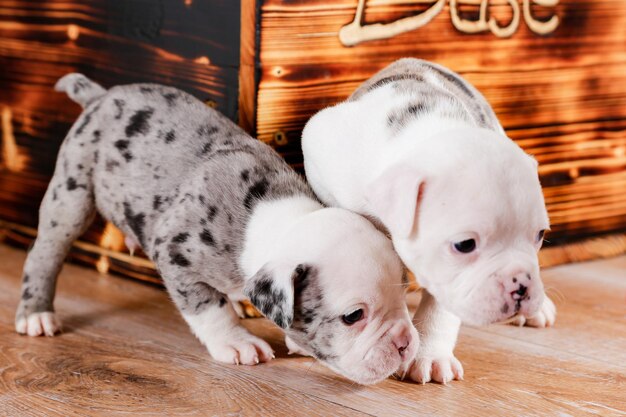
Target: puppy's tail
x,y
79,88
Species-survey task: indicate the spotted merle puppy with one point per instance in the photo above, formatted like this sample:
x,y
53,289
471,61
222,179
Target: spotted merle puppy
x,y
223,217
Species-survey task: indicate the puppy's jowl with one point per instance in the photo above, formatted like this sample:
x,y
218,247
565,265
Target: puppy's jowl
x,y
223,217
461,201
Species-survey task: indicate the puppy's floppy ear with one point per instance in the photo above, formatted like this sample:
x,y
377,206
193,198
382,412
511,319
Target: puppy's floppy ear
x,y
393,197
271,290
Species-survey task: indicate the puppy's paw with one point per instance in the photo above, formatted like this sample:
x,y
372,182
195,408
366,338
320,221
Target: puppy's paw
x,y
240,347
442,369
38,324
545,317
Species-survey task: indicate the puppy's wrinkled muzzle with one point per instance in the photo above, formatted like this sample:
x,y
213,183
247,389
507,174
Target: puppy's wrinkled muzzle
x,y
522,293
394,349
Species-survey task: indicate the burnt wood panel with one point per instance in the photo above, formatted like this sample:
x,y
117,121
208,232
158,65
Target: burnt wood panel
x,y
190,44
562,96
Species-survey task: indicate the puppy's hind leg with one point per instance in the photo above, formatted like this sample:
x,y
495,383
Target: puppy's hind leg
x,y
66,210
214,321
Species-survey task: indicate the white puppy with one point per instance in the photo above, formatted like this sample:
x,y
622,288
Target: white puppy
x,y
420,150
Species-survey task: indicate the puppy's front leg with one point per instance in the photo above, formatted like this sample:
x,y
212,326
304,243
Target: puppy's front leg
x,y
438,331
214,321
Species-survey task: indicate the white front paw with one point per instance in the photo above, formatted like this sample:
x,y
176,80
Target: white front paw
x,y
545,317
240,347
38,324
442,369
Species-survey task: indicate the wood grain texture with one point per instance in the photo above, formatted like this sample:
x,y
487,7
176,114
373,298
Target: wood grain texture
x,y
192,45
561,96
248,68
126,350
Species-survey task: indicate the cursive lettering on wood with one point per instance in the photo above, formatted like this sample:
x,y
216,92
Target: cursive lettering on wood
x,y
355,32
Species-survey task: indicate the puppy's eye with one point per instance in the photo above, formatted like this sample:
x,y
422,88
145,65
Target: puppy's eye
x,y
465,246
353,317
540,235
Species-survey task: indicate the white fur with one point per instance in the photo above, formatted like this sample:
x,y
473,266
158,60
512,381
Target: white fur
x,y
467,182
38,324
357,267
226,340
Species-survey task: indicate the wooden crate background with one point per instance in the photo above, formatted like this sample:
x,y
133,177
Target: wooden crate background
x,y
193,45
271,64
561,96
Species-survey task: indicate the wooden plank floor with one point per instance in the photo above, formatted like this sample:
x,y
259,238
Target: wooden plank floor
x,y
126,351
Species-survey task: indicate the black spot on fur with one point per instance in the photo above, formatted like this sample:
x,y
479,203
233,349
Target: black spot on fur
x,y
79,85
212,213
96,136
206,148
86,120
170,98
207,237
180,238
27,295
53,223
308,302
301,279
245,175
415,108
146,89
156,202
138,123
136,222
227,248
201,199
122,144
396,77
222,301
183,293
255,192
454,80
71,184
170,136
119,108
26,278
206,130
271,302
158,241
505,308
178,259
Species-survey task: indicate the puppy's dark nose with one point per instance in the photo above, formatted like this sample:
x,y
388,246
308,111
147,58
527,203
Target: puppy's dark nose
x,y
520,293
